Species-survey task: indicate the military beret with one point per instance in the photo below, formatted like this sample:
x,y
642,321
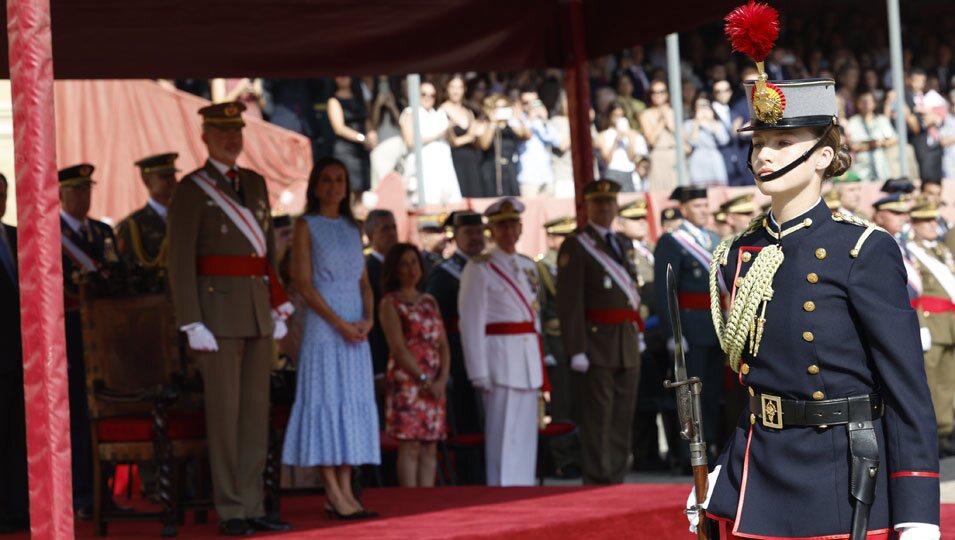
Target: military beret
x,y
158,163
688,193
561,226
848,177
76,175
225,115
635,210
601,189
506,209
898,185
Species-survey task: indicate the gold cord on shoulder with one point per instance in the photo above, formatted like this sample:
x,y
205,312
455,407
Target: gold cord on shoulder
x,y
137,244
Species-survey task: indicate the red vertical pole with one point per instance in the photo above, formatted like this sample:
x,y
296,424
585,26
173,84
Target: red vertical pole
x,y
577,86
41,285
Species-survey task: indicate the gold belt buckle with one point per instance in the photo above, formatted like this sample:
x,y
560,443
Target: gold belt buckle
x,y
772,411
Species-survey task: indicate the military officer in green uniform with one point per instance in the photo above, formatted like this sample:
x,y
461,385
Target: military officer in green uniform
x,y
849,187
598,303
565,451
433,238
936,312
739,211
141,236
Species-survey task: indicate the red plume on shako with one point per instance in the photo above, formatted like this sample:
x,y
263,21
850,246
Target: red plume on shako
x,y
752,30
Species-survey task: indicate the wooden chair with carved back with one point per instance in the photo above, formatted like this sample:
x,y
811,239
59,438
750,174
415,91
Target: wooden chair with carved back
x,y
133,364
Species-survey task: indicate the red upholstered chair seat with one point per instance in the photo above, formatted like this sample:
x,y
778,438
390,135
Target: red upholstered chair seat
x,y
467,439
127,429
555,429
388,443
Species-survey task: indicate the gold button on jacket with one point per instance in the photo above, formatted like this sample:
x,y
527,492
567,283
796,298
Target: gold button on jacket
x,y
821,253
813,369
818,395
808,336
809,305
744,369
812,277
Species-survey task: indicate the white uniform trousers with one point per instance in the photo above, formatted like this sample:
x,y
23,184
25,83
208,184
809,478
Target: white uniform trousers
x,y
510,436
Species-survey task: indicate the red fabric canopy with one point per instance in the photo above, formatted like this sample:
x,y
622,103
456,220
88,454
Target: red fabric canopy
x,y
116,39
111,124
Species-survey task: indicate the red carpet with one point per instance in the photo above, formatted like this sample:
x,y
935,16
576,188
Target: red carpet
x,y
627,511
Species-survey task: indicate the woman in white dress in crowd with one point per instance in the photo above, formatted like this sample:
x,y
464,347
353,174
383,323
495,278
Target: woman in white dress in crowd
x,y
440,182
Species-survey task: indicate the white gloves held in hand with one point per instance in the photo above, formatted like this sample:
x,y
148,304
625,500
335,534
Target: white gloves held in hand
x,y
279,329
550,361
200,338
579,363
671,345
694,517
926,336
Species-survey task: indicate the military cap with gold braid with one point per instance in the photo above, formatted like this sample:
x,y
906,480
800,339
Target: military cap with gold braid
x,y
76,175
506,209
688,193
160,163
898,185
669,214
894,202
924,210
224,115
739,205
635,210
601,189
831,199
561,226
432,222
460,218
719,216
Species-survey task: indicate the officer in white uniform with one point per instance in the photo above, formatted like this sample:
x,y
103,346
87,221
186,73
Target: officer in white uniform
x,y
500,335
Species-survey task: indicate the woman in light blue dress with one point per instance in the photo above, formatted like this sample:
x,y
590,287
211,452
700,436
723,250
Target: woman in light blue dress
x,y
334,422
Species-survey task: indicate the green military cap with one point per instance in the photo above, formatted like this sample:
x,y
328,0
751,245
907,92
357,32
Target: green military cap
x,y
224,115
635,210
848,177
739,205
506,209
924,209
76,175
719,216
669,214
431,222
561,226
159,163
688,193
601,189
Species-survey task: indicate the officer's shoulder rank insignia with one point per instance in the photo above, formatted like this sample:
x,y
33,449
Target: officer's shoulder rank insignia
x,y
481,258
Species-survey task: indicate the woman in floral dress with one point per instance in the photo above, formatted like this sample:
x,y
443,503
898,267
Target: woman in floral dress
x,y
418,368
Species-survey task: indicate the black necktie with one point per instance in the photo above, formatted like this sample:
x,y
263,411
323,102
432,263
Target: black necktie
x,y
233,177
613,246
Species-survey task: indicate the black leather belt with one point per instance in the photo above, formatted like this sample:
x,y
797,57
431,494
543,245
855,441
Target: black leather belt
x,y
777,413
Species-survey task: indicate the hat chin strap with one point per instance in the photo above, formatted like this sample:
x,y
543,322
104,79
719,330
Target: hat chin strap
x,y
795,163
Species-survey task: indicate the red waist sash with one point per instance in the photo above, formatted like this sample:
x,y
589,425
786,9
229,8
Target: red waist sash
x,y
517,328
241,265
933,304
615,316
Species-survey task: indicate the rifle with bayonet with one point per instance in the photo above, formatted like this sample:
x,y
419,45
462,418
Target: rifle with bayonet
x,y
688,407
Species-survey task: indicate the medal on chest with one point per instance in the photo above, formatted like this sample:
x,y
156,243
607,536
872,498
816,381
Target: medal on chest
x,y
607,283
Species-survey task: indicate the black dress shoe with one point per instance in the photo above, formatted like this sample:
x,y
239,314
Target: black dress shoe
x,y
235,527
269,524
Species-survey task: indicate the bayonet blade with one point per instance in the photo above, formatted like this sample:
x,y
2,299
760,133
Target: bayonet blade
x,y
679,358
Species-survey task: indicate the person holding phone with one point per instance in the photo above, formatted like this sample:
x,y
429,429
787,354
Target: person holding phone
x,y
620,148
500,145
705,134
439,179
535,175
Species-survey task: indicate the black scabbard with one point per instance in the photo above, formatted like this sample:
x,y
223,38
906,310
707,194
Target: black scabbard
x,y
864,457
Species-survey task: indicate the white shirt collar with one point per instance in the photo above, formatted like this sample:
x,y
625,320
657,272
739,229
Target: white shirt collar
x,y
772,220
221,167
379,256
160,209
74,223
602,231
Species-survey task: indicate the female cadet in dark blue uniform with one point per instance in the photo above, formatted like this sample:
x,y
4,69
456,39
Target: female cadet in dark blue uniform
x,y
840,426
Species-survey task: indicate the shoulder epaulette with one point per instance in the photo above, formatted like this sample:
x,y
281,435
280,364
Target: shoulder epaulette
x,y
481,258
755,224
539,257
870,228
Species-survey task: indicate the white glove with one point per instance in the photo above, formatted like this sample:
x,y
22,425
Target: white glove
x,y
642,343
482,383
550,361
693,517
200,338
579,363
926,339
918,531
279,329
671,345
